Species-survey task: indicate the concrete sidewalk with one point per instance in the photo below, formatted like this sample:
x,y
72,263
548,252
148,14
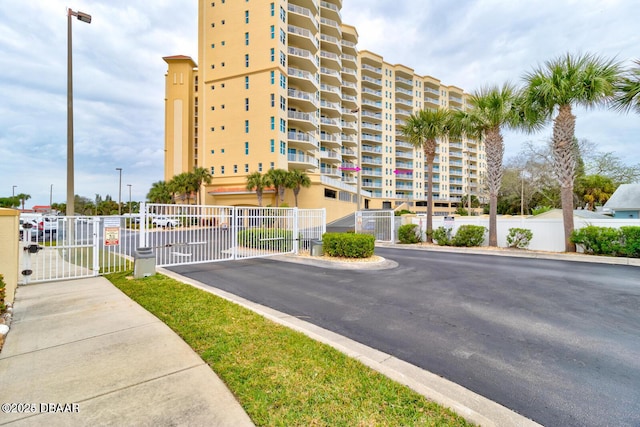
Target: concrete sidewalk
x,y
83,347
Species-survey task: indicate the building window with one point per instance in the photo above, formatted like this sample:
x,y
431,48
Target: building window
x,y
273,146
213,169
283,59
273,31
221,170
246,16
246,126
283,36
235,168
246,60
246,82
283,81
283,103
273,54
246,167
283,147
246,39
283,126
213,45
272,9
272,165
273,77
273,123
259,167
246,104
273,100
246,147
283,14
222,42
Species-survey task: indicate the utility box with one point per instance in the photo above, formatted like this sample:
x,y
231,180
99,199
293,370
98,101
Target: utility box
x,y
316,248
144,263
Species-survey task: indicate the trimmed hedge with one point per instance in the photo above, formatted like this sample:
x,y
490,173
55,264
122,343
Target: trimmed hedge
x,y
270,239
467,235
519,238
609,241
409,233
348,245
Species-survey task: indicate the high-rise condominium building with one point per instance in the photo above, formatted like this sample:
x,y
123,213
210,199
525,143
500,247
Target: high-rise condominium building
x,y
282,85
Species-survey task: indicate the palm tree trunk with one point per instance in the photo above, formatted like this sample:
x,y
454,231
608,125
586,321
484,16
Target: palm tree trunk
x,y
494,148
429,156
564,165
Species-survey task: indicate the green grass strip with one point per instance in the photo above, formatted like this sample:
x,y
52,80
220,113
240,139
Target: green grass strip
x,y
281,377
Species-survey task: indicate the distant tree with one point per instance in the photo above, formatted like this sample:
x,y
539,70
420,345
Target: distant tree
x,y
200,176
553,90
423,130
628,90
277,178
9,202
594,190
182,186
159,193
296,180
23,198
256,181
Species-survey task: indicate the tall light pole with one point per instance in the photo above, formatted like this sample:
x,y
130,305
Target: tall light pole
x,y
468,153
359,172
84,17
50,196
13,191
120,192
522,193
129,185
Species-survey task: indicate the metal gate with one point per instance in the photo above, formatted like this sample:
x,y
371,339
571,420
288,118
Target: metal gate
x,y
380,224
59,247
191,234
62,247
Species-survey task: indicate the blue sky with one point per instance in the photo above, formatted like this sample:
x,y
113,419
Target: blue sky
x,y
119,74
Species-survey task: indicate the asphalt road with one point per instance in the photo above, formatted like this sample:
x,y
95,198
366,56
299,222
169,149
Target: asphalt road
x,y
558,342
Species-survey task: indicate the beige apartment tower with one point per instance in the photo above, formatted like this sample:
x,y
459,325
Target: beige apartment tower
x,y
281,84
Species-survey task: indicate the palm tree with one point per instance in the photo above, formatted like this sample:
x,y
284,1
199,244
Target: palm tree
x,y
492,108
159,193
298,179
569,80
200,176
256,181
23,198
628,90
423,129
182,185
277,178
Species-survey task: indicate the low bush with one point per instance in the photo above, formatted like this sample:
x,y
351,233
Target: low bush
x,y
469,235
630,237
519,238
348,245
442,236
409,233
598,240
271,239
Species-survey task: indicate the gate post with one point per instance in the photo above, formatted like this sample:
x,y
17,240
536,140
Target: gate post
x,y
142,226
96,246
296,232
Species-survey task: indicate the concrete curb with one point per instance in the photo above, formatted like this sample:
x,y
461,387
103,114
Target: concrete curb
x,y
470,405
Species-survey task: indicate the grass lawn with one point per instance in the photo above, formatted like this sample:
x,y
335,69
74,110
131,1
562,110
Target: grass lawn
x,y
281,377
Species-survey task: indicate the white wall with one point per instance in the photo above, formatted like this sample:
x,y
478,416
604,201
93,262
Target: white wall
x,y
548,234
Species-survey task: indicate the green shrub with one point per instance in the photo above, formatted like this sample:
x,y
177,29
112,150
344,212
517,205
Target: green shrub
x,y
409,233
541,209
348,245
442,236
519,238
598,240
630,236
2,294
401,212
469,235
271,239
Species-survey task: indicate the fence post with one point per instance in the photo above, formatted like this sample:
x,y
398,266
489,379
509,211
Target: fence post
x,y
96,245
233,229
142,239
296,233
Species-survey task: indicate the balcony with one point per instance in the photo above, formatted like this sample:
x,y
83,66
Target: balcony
x,y
371,149
403,81
367,160
302,37
330,25
371,69
330,156
307,121
330,59
303,79
331,93
331,170
371,80
303,58
303,139
349,58
300,160
331,139
408,93
371,115
306,97
371,138
301,17
406,102
372,92
401,112
327,122
402,144
326,105
375,104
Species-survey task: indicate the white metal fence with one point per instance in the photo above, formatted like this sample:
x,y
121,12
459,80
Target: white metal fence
x,y
58,247
380,224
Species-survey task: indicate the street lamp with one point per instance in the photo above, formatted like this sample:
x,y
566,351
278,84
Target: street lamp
x,y
468,153
359,172
129,185
13,191
70,191
120,192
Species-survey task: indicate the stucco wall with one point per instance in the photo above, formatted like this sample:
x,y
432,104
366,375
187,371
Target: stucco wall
x,y
9,246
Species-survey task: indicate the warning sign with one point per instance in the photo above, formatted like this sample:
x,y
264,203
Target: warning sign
x,y
112,231
111,236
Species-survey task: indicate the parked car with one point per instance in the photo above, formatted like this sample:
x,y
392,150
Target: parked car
x,y
29,226
48,224
165,221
